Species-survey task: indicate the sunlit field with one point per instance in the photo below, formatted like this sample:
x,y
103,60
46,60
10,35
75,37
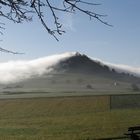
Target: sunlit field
x,y
64,118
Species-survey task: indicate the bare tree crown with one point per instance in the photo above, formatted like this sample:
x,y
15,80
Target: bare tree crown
x,y
19,11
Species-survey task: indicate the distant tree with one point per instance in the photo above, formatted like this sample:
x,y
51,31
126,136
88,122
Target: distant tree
x,y
135,87
89,86
19,11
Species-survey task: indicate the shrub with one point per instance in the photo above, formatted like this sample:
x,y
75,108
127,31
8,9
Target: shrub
x,y
135,87
89,86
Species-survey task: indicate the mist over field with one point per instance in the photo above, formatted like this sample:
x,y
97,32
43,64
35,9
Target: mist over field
x,y
14,71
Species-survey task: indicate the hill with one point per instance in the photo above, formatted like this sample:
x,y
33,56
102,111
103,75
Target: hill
x,y
79,63
74,74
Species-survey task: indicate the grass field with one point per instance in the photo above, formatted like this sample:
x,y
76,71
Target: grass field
x,y
63,118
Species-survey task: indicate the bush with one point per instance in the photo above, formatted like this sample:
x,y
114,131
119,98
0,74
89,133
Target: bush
x,y
135,87
89,86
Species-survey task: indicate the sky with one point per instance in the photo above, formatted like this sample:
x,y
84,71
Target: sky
x,y
119,44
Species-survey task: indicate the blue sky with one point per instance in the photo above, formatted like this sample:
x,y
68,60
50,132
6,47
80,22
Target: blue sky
x,y
119,44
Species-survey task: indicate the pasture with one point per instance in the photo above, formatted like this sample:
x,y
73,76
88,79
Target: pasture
x,y
64,118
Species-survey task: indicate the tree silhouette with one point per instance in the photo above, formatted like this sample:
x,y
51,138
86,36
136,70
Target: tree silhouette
x,y
89,86
135,87
19,11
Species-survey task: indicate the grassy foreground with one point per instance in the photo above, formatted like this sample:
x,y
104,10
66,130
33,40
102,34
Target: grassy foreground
x,y
63,118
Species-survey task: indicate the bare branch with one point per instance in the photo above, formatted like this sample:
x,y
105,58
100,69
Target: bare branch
x,y
19,11
8,51
91,14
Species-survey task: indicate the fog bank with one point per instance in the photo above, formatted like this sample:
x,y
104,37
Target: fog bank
x,y
15,71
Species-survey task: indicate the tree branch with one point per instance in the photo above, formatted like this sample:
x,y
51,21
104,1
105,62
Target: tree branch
x,y
19,11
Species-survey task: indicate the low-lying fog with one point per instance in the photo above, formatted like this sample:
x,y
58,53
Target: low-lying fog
x,y
14,71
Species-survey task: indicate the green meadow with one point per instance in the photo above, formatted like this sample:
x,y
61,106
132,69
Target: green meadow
x,y
64,118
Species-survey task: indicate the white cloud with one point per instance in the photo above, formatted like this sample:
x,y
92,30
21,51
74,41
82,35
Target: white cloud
x,y
120,67
124,68
14,71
